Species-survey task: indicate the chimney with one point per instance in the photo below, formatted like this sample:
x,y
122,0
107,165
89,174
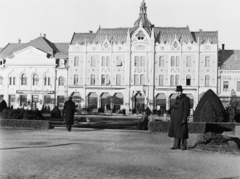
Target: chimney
x,y
152,25
44,35
223,45
200,30
19,41
40,34
90,31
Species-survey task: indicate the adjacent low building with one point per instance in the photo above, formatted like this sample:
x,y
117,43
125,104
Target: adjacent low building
x,y
34,74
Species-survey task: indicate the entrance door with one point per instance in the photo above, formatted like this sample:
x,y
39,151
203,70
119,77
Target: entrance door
x,y
11,102
35,99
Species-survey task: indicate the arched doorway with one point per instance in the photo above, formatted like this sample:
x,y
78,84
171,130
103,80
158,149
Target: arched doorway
x,y
92,100
117,101
138,102
106,101
161,103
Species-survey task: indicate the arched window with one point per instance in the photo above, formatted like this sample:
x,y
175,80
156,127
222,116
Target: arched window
x,y
188,61
12,80
93,61
161,61
92,79
136,61
75,82
1,80
119,61
161,80
60,81
118,79
172,61
188,80
176,80
172,80
108,61
142,61
177,61
76,61
207,61
142,79
136,80
35,79
47,80
24,79
107,79
103,79
207,80
103,61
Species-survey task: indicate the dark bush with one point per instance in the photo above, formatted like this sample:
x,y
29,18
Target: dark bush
x,y
3,105
194,127
208,112
217,107
25,124
56,113
21,114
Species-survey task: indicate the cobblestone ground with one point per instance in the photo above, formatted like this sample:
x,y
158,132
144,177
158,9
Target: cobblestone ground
x,y
89,153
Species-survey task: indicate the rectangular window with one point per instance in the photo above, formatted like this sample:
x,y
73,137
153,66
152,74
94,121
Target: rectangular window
x,y
142,61
238,86
92,82
161,80
188,61
207,80
12,99
118,79
136,61
188,80
142,79
49,81
13,80
119,61
47,99
161,61
225,86
60,101
136,80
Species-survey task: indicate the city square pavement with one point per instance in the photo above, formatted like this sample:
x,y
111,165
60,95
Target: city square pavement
x,y
95,153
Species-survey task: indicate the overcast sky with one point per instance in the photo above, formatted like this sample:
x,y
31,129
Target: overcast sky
x,y
59,19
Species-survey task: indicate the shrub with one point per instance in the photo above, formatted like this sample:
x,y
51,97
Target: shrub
x,y
25,124
208,112
21,114
3,105
217,108
56,113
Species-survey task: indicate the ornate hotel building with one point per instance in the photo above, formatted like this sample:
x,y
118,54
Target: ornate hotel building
x,y
141,65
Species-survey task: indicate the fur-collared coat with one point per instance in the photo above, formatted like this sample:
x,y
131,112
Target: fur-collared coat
x,y
179,114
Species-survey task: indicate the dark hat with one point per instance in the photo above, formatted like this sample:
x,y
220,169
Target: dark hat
x,y
179,88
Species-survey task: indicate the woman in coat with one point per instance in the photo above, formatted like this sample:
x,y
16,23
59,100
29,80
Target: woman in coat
x,y
179,115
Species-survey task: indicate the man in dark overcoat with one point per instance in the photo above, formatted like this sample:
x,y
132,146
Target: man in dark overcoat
x,y
69,110
179,115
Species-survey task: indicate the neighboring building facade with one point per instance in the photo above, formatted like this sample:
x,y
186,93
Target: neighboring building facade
x,y
34,74
229,75
141,65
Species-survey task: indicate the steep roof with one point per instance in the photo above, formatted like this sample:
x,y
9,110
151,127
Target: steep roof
x,y
8,49
41,43
204,36
81,38
167,34
117,35
229,59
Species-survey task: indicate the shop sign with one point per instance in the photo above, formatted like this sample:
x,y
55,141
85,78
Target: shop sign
x,y
34,92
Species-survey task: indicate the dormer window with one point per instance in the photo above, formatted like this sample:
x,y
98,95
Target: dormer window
x,y
140,35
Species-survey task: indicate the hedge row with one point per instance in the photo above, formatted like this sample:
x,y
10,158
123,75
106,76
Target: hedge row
x,y
24,124
194,127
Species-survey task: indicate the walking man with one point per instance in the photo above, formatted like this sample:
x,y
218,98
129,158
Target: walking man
x,y
179,126
69,109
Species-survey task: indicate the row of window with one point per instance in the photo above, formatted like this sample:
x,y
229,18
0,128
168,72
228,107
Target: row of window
x,y
226,86
175,61
105,62
35,80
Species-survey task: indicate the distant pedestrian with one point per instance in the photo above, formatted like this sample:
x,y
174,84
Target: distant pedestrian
x,y
144,121
179,115
3,105
68,111
148,111
151,118
124,112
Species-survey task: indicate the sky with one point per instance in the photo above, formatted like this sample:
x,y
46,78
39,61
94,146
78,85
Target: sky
x,y
59,19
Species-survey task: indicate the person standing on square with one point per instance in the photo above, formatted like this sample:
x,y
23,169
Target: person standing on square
x,y
69,109
179,115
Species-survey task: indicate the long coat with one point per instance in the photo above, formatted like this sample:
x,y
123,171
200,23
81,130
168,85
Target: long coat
x,y
69,110
179,114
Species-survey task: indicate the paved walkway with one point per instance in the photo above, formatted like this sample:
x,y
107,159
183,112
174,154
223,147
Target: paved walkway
x,y
113,154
